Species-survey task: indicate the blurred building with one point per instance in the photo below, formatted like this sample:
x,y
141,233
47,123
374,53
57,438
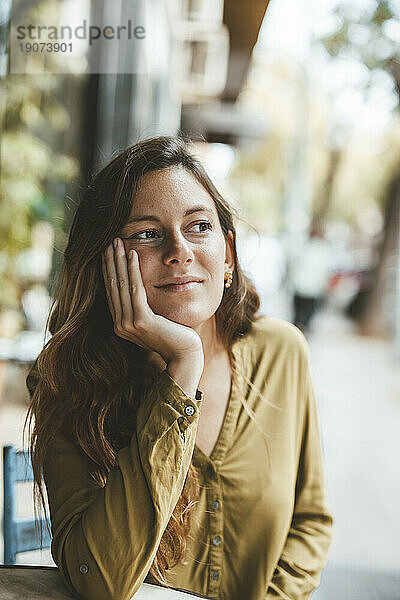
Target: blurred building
x,y
197,58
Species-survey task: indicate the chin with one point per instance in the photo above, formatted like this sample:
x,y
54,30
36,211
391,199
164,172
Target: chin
x,y
184,315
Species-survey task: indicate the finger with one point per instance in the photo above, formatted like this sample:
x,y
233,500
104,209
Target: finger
x,y
123,281
108,290
112,284
105,278
137,289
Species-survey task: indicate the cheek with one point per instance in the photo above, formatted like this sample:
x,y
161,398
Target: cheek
x,y
213,254
148,270
209,265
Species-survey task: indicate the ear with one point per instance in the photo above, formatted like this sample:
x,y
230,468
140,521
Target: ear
x,y
229,256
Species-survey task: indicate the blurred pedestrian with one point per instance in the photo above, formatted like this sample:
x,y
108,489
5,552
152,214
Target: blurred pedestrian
x,y
310,274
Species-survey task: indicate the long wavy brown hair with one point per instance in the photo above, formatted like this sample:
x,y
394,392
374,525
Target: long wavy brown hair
x,y
88,378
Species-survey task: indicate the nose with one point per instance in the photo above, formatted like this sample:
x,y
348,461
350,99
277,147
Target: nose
x,y
177,249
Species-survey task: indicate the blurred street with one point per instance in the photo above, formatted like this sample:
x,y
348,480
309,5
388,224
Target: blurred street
x,y
357,381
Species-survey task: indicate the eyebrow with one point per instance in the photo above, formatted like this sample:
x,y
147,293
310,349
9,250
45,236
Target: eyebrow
x,y
187,212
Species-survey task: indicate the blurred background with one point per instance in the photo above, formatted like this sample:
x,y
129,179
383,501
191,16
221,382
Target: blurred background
x,y
295,106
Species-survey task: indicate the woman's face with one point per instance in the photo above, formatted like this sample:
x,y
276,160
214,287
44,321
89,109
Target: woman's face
x,y
175,229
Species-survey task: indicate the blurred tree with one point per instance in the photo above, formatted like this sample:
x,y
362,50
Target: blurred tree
x,y
371,33
37,131
34,117
30,168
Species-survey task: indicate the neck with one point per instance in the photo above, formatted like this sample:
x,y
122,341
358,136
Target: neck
x,y
210,339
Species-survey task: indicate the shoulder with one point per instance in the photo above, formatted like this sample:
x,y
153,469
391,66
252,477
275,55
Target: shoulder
x,y
276,337
277,329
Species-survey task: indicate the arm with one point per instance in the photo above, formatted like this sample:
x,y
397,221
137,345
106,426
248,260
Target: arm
x,y
105,539
305,551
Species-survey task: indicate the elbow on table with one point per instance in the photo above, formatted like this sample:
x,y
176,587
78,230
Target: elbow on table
x,y
97,587
99,569
90,579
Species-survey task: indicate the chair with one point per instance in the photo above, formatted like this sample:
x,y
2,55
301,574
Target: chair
x,y
20,535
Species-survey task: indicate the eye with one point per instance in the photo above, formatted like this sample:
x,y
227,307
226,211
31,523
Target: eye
x,y
143,235
207,225
152,234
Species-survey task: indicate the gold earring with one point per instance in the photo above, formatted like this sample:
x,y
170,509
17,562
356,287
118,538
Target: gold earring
x,y
228,279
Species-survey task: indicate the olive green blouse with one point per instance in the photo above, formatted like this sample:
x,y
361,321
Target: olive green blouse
x,y
261,527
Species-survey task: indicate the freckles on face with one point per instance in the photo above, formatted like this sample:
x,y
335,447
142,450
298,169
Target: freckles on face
x,y
191,306
181,237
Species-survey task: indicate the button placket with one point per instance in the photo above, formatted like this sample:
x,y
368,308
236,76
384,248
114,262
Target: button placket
x,y
215,517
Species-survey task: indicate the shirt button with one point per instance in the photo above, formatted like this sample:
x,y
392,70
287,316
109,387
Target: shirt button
x,y
84,569
215,575
215,505
210,470
189,410
217,540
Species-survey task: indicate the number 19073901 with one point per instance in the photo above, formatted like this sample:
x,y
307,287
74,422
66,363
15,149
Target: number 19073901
x,y
45,47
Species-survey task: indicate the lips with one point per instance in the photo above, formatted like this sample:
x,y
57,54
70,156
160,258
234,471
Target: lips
x,y
177,281
181,287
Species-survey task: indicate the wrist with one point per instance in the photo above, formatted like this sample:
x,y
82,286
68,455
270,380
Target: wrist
x,y
187,373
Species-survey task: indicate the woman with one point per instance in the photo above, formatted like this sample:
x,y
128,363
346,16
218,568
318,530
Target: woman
x,y
218,491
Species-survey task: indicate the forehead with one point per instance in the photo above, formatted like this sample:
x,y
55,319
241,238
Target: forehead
x,y
173,189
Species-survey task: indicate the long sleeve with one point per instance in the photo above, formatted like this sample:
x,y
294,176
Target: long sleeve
x,y
105,539
304,554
